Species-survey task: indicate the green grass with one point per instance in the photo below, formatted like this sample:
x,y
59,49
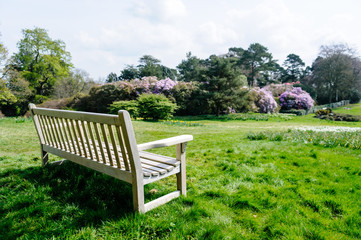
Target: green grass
x,y
353,109
237,188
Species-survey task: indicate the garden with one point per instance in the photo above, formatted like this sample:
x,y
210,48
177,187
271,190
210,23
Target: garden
x,y
249,176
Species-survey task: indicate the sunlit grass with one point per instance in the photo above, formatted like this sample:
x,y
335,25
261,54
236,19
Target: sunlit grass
x,y
237,188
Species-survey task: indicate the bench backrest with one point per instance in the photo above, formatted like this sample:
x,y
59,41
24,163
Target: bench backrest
x,y
106,138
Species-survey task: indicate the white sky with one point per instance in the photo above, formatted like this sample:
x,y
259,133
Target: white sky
x,y
104,36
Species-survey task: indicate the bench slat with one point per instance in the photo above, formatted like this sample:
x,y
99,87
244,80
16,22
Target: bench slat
x,y
153,168
124,153
159,158
99,141
77,115
93,141
156,164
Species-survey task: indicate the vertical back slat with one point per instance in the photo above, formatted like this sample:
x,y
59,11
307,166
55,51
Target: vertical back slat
x,y
81,138
90,130
64,127
50,126
86,135
122,147
106,141
100,145
72,143
115,149
52,119
61,133
43,129
79,152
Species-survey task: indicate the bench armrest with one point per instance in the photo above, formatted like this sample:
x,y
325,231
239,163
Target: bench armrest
x,y
165,142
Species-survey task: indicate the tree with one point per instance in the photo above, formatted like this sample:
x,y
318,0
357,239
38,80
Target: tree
x,y
256,61
150,66
78,81
294,68
190,68
224,85
3,53
129,72
112,77
335,73
41,60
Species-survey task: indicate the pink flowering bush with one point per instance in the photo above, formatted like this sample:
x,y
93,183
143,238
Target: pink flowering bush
x,y
164,86
296,98
277,89
262,101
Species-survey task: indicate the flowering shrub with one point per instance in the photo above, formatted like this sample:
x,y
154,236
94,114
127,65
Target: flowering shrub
x,y
263,101
277,89
296,98
144,85
164,86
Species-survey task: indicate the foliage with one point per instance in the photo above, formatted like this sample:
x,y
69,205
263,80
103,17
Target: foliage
x,y
277,89
112,77
257,62
327,114
223,86
164,86
6,97
41,60
130,106
296,98
187,95
153,106
293,68
148,66
336,72
355,96
262,101
78,81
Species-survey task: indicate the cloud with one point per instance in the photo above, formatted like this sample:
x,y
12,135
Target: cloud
x,y
160,10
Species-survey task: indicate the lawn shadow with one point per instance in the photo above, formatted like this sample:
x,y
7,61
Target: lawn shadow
x,y
68,196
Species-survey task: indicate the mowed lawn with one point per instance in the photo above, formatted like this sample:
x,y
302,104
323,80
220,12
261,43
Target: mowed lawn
x,y
237,188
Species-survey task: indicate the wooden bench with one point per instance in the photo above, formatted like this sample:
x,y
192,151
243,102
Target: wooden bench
x,y
106,143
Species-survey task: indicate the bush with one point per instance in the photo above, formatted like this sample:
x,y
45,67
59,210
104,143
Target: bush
x,y
277,89
296,99
297,112
153,106
262,101
130,106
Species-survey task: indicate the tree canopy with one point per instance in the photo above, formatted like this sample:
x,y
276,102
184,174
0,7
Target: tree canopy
x,y
41,60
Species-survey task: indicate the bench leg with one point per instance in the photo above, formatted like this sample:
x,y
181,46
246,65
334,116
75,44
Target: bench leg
x,y
138,197
181,176
44,157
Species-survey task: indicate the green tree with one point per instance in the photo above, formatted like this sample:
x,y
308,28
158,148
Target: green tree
x,y
41,60
190,68
224,86
294,68
78,81
150,66
335,73
129,73
256,61
112,77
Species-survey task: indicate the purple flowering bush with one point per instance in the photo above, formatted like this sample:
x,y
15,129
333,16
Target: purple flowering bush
x,y
277,89
296,98
164,86
262,101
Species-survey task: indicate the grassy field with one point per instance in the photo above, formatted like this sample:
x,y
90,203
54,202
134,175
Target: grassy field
x,y
247,179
